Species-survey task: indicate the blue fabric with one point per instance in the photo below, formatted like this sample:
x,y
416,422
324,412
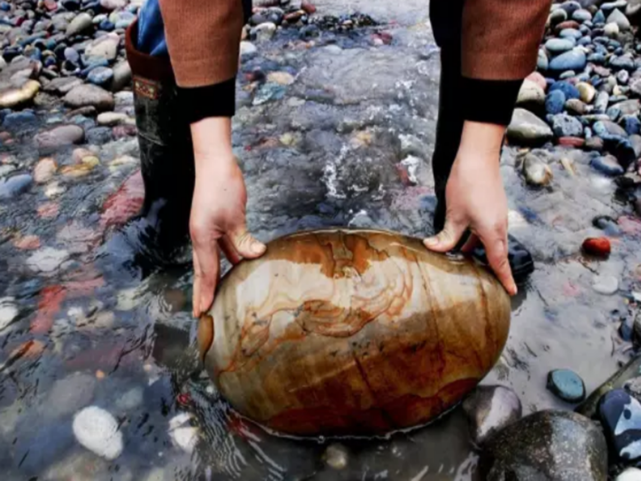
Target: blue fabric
x,y
151,30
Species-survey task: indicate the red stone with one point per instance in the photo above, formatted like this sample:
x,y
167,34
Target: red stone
x,y
124,203
48,210
597,246
308,7
51,298
538,79
567,24
183,398
386,37
27,243
571,142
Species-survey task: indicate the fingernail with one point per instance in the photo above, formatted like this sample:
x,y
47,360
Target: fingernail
x,y
258,248
430,241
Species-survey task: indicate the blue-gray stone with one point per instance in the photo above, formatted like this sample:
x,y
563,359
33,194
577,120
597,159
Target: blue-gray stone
x,y
564,125
13,186
620,416
554,102
618,51
570,91
596,58
560,45
570,33
572,60
609,6
98,135
567,385
100,76
607,166
71,54
614,113
585,40
567,74
587,131
608,130
106,25
623,61
18,120
631,124
584,29
557,16
599,17
570,7
614,43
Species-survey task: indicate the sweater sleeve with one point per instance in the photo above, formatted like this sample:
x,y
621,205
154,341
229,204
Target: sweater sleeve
x,y
500,42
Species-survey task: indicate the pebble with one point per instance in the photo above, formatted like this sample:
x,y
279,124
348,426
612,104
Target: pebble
x,y
528,128
15,97
630,474
113,4
582,16
265,31
566,385
47,259
601,102
59,136
619,19
547,445
623,61
44,170
121,76
89,95
560,45
575,106
597,246
557,16
542,61
112,118
631,124
69,394
80,24
629,107
100,76
569,90
608,130
62,85
564,125
611,29
8,312
13,186
536,172
103,48
555,102
336,456
571,32
281,78
620,416
489,409
247,49
605,284
97,430
573,60
538,79
586,92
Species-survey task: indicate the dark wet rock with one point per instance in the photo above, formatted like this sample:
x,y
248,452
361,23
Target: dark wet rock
x,y
336,456
620,415
631,124
623,61
59,136
547,445
607,165
564,125
560,45
80,24
13,186
528,128
566,385
557,16
489,409
89,95
555,102
623,151
606,224
18,120
100,76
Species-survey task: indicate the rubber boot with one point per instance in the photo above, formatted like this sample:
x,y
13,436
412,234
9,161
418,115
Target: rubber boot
x,y
448,137
159,234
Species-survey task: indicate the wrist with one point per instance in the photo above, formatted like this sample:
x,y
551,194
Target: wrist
x,y
211,138
481,142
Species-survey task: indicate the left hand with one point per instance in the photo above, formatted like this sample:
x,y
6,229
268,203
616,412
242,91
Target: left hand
x,y
476,200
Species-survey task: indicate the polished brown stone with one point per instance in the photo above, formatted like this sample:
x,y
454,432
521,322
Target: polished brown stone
x,y
352,332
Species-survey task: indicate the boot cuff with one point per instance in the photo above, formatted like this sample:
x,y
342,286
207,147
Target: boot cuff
x,y
142,64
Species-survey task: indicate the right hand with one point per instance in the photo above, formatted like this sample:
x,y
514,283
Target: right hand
x,y
217,221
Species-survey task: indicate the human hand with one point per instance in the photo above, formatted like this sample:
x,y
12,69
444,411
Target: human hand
x,y
218,210
475,199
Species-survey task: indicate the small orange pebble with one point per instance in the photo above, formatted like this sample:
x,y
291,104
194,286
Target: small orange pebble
x,y
100,374
597,246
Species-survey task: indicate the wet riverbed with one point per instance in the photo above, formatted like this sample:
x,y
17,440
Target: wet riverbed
x,y
345,140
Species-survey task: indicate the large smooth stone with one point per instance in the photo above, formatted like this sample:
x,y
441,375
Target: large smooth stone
x,y
528,128
547,445
343,331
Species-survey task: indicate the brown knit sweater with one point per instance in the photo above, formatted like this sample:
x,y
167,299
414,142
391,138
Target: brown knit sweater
x,y
500,38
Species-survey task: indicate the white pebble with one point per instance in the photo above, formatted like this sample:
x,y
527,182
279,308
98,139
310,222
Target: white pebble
x,y
185,437
8,311
606,285
47,259
247,48
336,456
97,430
630,474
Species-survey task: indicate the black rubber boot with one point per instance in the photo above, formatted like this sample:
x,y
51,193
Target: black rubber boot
x,y
159,234
448,137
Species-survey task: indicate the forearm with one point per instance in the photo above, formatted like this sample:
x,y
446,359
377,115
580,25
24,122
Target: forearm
x,y
211,139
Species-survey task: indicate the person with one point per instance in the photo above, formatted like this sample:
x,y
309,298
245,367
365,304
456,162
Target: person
x,y
184,56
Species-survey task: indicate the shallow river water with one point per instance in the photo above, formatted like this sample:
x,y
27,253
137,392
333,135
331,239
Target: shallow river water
x,y
348,143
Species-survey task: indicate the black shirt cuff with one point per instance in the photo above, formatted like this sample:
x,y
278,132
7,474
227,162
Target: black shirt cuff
x,y
489,101
217,100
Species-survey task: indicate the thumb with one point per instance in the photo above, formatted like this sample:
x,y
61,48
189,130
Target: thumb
x,y
447,239
245,243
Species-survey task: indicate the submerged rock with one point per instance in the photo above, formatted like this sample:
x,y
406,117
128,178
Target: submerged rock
x,y
336,456
620,415
490,409
14,186
89,95
98,431
567,385
547,445
536,172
